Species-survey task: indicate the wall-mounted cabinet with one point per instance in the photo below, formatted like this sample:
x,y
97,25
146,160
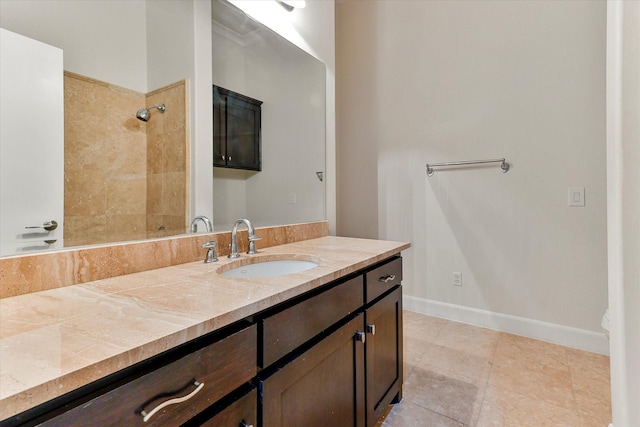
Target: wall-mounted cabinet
x,y
236,130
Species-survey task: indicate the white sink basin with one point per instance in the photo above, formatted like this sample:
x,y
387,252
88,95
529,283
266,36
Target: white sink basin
x,y
269,268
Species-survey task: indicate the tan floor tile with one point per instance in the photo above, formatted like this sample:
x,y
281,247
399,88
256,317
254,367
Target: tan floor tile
x,y
537,381
503,408
447,360
420,331
450,395
470,339
530,382
593,399
414,350
586,365
420,325
601,421
407,414
533,368
528,349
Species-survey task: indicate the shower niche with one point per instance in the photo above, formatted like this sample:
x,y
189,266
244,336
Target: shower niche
x,y
236,130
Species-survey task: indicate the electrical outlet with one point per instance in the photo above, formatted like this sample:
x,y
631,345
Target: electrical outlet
x,y
457,278
293,198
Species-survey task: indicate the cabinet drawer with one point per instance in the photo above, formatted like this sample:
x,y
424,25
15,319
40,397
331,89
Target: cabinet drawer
x,y
292,327
205,375
383,278
243,410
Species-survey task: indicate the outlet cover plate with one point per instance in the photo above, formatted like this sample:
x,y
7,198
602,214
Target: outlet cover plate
x,y
457,278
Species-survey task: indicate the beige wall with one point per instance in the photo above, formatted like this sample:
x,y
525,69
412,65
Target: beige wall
x,y
311,29
85,32
440,81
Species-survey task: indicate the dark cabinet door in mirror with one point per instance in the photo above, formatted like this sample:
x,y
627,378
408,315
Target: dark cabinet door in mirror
x,y
236,130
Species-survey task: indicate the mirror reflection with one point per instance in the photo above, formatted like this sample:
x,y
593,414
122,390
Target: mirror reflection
x,y
126,178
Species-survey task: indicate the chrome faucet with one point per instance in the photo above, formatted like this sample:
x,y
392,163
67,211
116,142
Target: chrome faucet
x,y
207,224
233,253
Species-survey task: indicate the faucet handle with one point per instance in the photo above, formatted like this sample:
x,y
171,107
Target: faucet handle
x,y
252,244
211,251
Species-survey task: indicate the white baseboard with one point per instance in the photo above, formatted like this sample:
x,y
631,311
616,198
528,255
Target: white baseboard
x,y
571,337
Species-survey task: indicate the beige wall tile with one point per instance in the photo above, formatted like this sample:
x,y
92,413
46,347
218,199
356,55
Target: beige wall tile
x,y
127,196
26,274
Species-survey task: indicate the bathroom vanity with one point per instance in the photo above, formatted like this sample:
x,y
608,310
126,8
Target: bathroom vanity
x,y
320,347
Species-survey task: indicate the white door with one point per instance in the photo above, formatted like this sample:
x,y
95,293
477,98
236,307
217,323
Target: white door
x,y
31,144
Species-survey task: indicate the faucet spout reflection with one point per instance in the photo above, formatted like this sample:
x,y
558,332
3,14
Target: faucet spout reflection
x,y
233,253
205,220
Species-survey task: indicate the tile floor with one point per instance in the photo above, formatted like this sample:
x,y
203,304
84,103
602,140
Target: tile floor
x,y
462,375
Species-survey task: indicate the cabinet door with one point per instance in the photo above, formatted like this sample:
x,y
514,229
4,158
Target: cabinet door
x,y
243,134
323,387
237,121
219,128
384,354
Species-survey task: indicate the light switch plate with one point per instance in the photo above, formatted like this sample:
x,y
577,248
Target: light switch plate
x,y
576,196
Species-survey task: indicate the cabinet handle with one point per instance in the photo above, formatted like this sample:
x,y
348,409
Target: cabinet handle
x,y
243,424
222,157
360,336
387,278
371,329
146,416
229,159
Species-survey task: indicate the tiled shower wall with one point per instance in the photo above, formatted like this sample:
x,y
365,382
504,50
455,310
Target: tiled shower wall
x,y
167,161
124,179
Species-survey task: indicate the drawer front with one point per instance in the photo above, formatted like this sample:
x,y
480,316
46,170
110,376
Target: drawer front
x,y
194,382
243,410
292,327
383,278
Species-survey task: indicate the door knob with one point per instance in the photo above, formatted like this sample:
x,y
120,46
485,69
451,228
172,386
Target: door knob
x,y
48,225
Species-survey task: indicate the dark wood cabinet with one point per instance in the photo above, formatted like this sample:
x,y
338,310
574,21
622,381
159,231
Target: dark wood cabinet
x,y
236,130
329,357
383,354
241,413
286,330
322,387
175,392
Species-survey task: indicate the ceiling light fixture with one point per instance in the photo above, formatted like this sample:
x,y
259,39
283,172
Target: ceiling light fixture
x,y
289,5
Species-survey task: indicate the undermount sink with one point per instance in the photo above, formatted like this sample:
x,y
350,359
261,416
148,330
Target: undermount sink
x,y
267,268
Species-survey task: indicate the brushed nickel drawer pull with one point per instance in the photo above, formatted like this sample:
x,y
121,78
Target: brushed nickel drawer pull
x,y
243,424
388,278
371,328
360,336
147,416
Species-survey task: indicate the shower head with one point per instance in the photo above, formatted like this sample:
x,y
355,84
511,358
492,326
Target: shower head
x,y
144,114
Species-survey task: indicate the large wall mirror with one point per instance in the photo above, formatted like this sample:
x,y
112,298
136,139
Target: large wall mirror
x,y
120,56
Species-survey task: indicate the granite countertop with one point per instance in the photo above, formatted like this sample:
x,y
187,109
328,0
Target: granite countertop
x,y
54,341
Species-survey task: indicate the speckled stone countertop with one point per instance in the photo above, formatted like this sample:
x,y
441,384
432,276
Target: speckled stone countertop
x,y
54,341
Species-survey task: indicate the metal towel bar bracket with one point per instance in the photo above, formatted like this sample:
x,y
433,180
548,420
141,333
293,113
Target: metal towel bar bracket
x,y
504,166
